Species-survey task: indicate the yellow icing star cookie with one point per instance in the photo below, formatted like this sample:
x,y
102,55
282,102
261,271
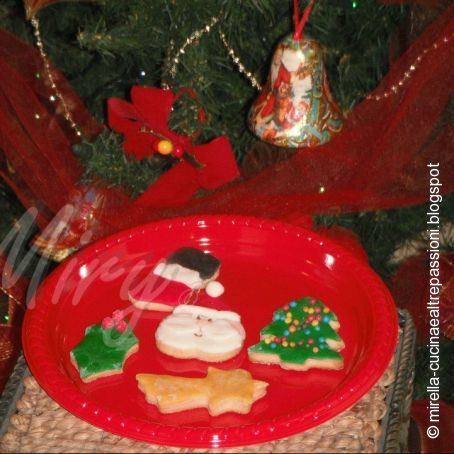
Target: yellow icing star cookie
x,y
219,392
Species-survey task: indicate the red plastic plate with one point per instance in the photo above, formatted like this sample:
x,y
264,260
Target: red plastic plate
x,y
265,264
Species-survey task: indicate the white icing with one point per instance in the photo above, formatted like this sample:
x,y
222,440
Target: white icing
x,y
177,273
203,329
214,289
207,312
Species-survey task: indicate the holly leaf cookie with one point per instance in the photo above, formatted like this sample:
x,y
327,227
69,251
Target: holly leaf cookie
x,y
104,349
302,335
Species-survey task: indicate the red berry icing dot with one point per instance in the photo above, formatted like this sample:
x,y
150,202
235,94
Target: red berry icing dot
x,y
107,323
118,315
121,326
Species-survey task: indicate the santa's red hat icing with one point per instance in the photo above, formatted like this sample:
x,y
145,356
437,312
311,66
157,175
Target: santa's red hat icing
x,y
187,276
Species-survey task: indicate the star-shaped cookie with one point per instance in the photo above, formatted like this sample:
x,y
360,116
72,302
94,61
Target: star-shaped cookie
x,y
219,392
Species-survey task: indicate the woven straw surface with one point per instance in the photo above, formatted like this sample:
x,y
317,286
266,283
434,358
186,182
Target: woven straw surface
x,y
41,425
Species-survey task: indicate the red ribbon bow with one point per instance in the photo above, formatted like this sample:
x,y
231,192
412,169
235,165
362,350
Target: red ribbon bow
x,y
145,120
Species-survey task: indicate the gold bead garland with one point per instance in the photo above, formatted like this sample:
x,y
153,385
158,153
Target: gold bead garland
x,y
253,81
58,95
407,74
194,36
241,68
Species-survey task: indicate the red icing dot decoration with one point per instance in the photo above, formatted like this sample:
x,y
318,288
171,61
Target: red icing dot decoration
x,y
116,321
317,309
121,326
310,341
312,301
107,323
118,315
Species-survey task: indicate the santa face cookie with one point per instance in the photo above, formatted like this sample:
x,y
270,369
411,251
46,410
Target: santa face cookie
x,y
302,335
174,281
104,348
201,333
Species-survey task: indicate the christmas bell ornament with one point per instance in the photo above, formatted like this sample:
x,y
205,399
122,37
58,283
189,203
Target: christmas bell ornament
x,y
295,108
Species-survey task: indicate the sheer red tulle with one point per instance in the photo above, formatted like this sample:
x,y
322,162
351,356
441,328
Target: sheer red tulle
x,y
378,161
37,161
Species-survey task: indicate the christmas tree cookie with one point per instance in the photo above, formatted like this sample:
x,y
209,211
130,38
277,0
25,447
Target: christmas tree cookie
x,y
302,335
104,348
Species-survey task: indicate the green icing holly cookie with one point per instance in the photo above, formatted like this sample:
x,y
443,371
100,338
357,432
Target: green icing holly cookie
x,y
302,335
103,351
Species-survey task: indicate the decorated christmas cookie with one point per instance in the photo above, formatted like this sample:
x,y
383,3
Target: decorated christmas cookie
x,y
104,348
182,276
302,335
219,392
200,332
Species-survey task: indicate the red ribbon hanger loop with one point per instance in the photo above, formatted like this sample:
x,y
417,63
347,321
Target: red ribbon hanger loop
x,y
300,23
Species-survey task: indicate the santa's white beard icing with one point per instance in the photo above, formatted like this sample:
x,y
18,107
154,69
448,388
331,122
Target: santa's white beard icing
x,y
202,333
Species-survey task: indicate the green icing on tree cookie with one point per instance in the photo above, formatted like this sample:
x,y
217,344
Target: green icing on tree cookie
x,y
301,330
102,350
